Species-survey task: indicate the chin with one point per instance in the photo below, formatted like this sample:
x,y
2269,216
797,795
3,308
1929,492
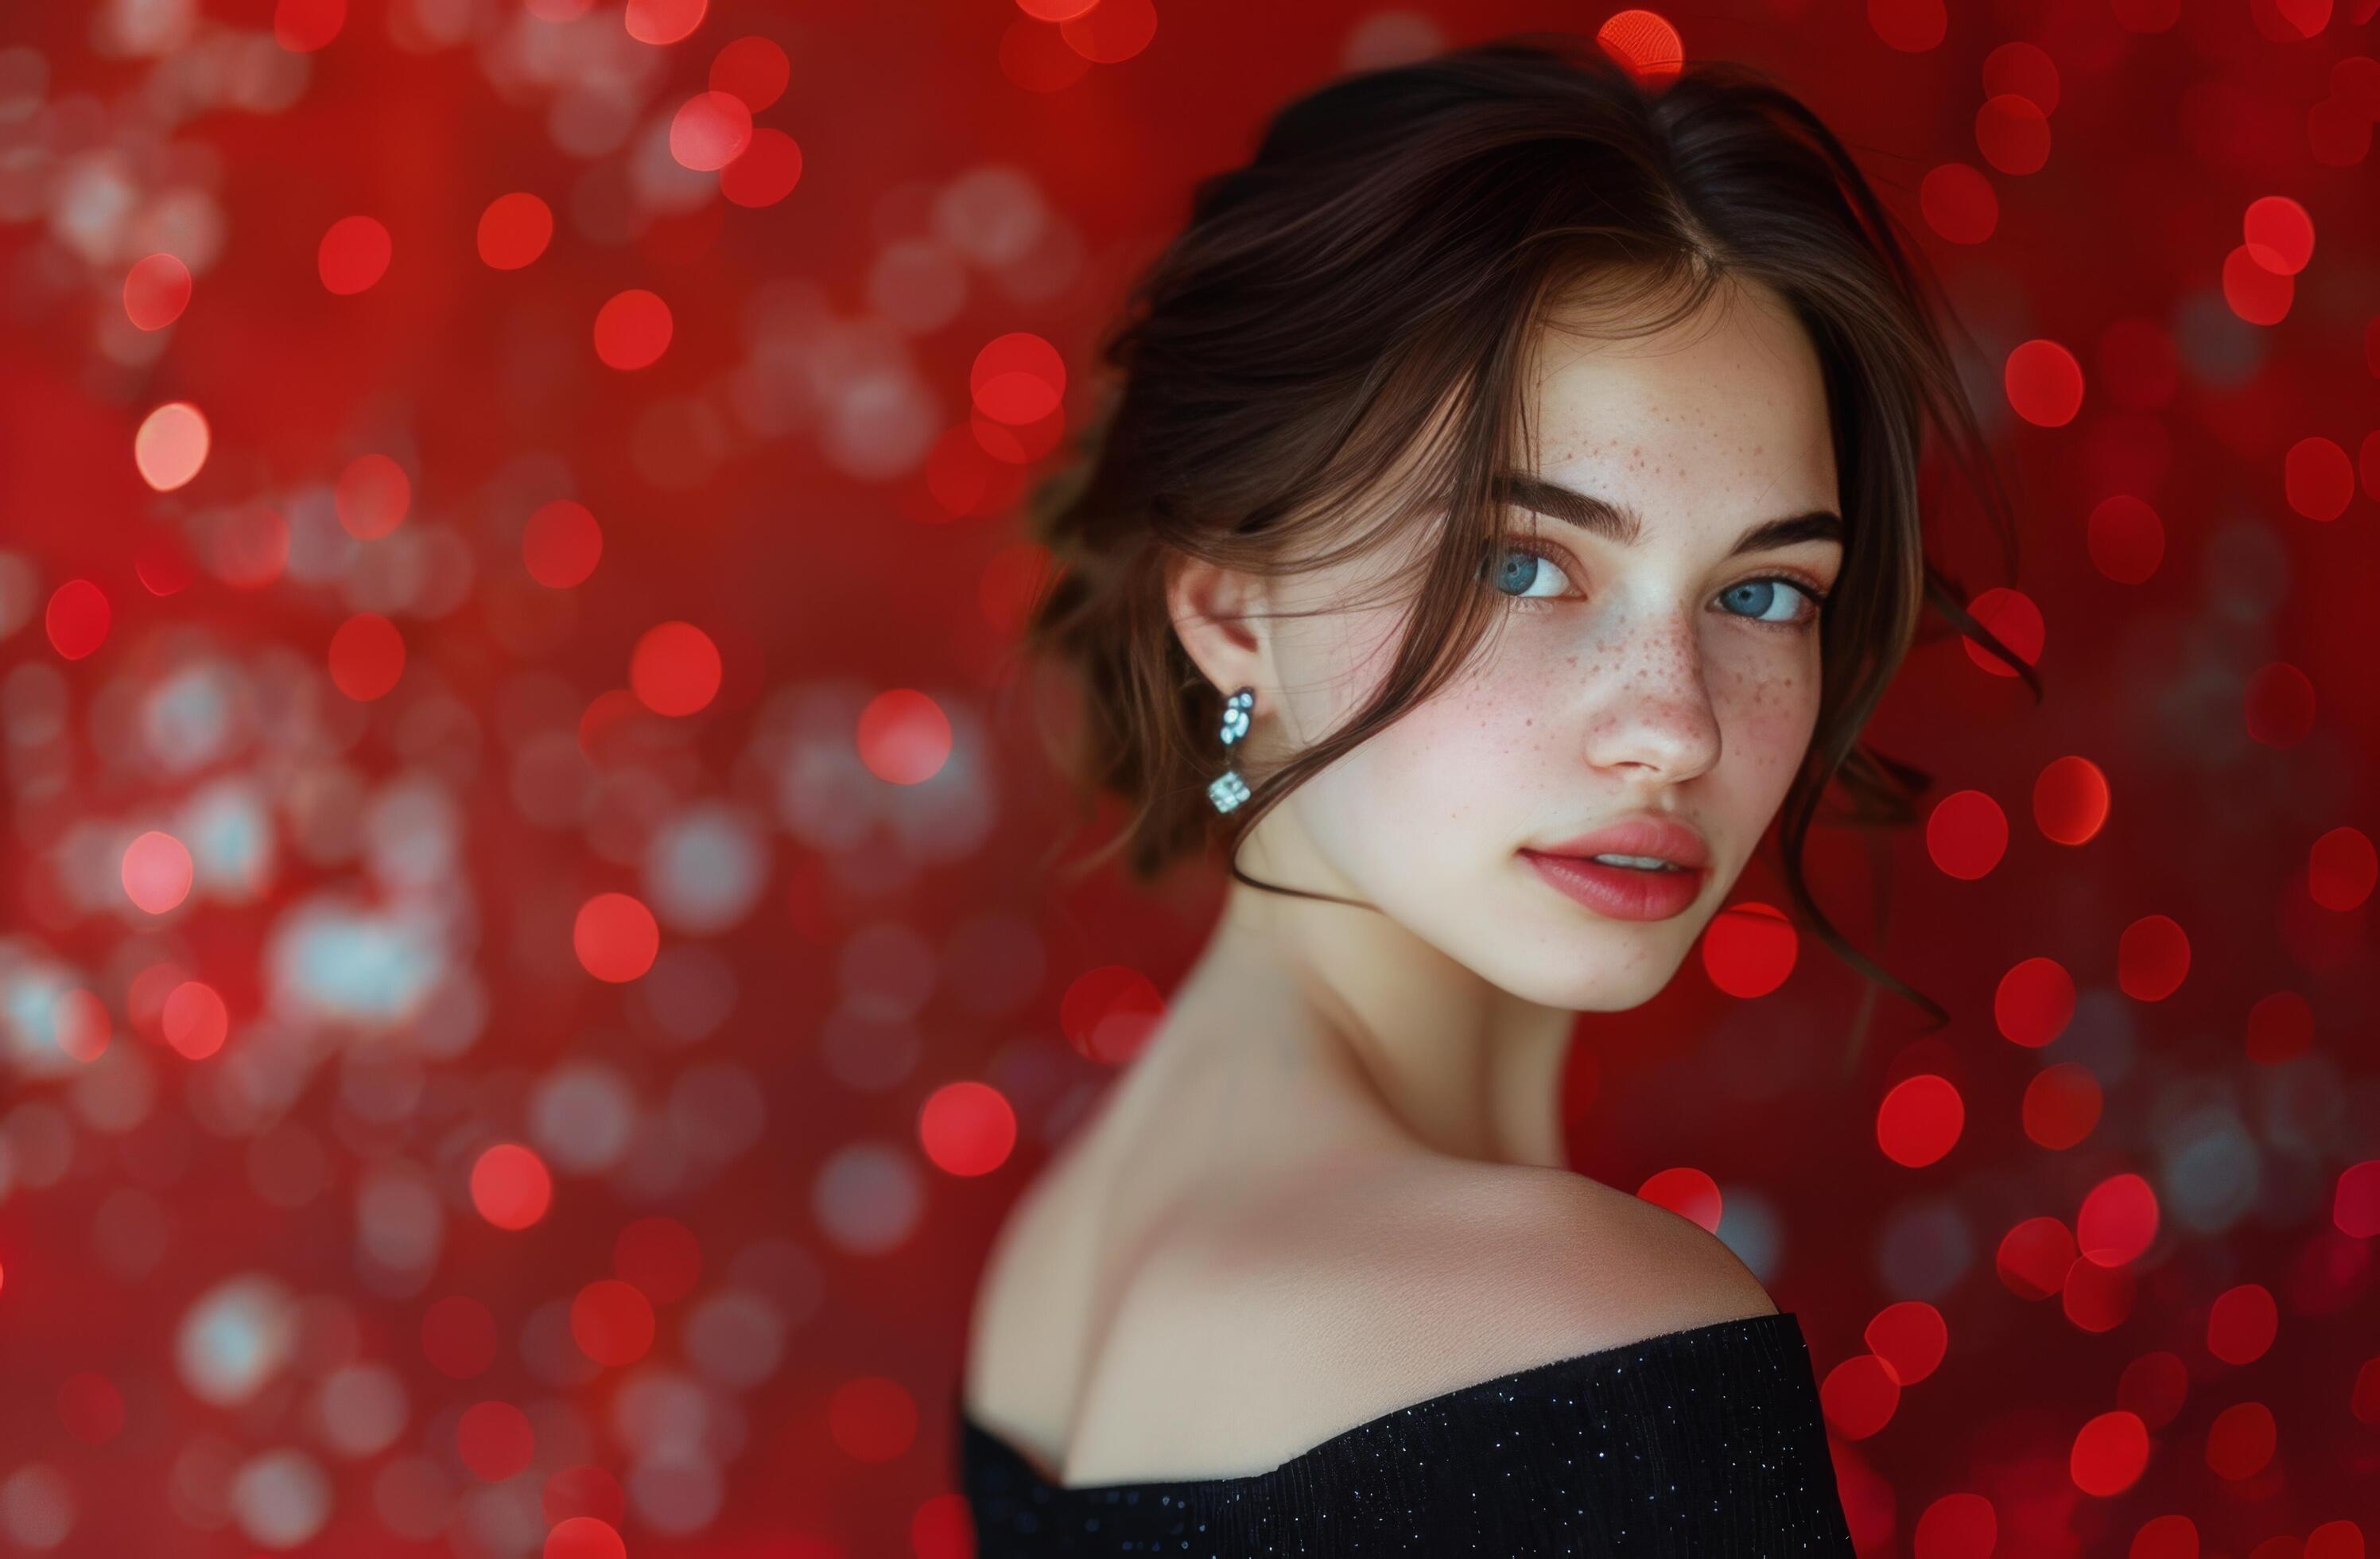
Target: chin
x,y
1607,974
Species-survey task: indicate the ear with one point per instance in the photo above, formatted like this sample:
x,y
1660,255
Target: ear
x,y
1221,616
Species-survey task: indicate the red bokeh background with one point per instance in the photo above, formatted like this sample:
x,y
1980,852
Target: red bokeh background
x,y
528,978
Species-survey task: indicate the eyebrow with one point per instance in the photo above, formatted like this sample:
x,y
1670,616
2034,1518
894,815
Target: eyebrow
x,y
1618,522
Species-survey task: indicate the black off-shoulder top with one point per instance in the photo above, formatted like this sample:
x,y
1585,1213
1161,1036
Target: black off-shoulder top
x,y
1707,1441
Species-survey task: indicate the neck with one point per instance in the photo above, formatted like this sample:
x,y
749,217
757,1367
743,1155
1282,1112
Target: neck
x,y
1444,1057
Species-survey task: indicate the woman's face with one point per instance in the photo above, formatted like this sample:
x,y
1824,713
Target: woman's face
x,y
1672,673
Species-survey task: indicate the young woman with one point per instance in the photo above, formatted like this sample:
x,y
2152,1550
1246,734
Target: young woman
x,y
1510,507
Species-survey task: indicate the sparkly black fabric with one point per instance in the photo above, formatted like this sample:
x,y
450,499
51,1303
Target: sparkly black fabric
x,y
1707,1441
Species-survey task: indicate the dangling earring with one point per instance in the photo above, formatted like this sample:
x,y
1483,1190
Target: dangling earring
x,y
1229,789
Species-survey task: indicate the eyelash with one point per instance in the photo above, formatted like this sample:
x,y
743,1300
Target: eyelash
x,y
1809,588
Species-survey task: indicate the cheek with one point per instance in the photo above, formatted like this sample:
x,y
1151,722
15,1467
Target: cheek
x,y
1444,772
1767,707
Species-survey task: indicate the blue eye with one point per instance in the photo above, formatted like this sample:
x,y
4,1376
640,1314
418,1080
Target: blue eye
x,y
1764,593
1524,571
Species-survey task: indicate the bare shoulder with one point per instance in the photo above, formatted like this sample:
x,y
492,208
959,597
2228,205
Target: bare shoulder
x,y
1262,1338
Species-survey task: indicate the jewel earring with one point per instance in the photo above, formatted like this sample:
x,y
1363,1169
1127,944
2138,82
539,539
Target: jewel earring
x,y
1229,789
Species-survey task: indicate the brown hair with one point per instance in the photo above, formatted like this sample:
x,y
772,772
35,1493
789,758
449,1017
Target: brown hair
x,y
1363,296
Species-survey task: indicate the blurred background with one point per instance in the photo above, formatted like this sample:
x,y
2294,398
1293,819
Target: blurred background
x,y
530,968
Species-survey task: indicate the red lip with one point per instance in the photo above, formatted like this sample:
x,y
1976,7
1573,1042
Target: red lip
x,y
1646,834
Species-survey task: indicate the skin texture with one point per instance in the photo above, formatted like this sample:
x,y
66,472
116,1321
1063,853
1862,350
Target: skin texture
x,y
1333,1182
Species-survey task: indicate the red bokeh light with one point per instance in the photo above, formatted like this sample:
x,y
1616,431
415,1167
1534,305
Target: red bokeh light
x,y
2109,1454
2127,539
2152,958
195,1020
560,545
765,173
967,1128
2280,1025
2341,869
709,130
615,937
156,290
1749,949
1859,1395
367,657
2069,801
2318,478
2241,1324
1957,202
353,255
633,329
157,872
612,1322
172,445
754,69
303,26
2012,133
2280,234
373,495
904,738
2035,1257
1966,834
1019,378
2240,1442
2117,1219
2256,295
494,1440
1912,1336
510,1185
2355,1202
2044,384
1920,1119
515,230
675,669
872,1418
664,21
78,618
2061,1105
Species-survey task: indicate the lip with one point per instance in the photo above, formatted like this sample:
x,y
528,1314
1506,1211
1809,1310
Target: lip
x,y
1618,893
1647,834
1624,893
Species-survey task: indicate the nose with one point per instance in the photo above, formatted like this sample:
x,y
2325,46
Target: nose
x,y
1655,712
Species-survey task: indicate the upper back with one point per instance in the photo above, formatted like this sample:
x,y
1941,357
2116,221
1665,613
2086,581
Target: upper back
x,y
1222,1337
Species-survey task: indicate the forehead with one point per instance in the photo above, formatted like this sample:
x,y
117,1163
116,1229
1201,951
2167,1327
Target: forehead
x,y
1731,394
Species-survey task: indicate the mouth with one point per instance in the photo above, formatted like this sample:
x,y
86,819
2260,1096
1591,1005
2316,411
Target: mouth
x,y
1621,887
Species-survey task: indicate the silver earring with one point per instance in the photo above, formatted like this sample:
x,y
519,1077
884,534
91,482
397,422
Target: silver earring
x,y
1229,789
